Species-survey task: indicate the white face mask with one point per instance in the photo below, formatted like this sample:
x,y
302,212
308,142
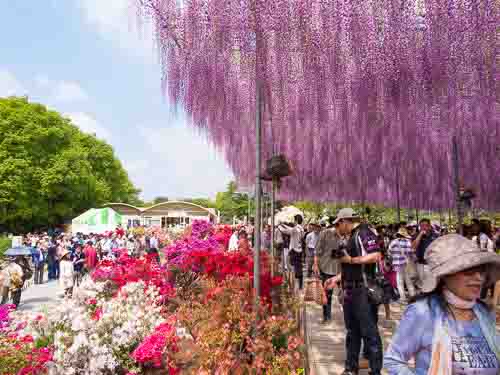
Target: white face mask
x,y
456,301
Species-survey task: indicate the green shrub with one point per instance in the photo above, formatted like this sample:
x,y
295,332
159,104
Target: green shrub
x,y
4,245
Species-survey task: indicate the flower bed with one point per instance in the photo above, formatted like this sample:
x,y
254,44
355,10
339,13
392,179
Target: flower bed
x,y
193,315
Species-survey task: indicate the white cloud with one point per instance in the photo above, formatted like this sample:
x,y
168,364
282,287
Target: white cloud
x,y
10,85
115,20
66,91
60,90
89,124
179,161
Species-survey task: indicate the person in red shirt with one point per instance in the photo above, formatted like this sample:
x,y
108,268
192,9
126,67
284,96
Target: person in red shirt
x,y
90,256
243,243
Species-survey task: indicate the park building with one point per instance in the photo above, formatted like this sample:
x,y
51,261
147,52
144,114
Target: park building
x,y
165,214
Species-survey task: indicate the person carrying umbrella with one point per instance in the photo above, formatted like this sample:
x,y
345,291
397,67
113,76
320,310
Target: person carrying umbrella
x,y
12,279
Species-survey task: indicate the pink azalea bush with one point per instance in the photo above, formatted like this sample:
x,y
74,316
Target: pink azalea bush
x,y
152,350
194,314
19,353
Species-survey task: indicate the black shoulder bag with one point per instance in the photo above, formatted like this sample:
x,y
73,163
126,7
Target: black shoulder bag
x,y
374,287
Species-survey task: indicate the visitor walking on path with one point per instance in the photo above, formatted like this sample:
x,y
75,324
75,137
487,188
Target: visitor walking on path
x,y
91,258
67,274
400,250
38,259
244,246
233,241
78,258
52,261
311,242
448,330
296,233
12,279
326,265
420,244
360,309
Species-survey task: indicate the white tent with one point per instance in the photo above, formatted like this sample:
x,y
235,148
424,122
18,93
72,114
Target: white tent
x,y
96,221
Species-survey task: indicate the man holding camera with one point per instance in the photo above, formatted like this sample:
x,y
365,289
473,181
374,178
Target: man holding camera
x,y
359,259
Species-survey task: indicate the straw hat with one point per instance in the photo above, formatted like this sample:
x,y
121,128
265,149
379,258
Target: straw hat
x,y
403,232
65,252
453,253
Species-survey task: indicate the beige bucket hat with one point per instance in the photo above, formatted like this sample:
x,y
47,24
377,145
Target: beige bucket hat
x,y
453,253
346,213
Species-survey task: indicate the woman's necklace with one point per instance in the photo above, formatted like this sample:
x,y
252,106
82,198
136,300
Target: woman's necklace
x,y
462,314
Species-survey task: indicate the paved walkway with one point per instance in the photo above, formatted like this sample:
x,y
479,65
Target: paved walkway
x,y
326,343
38,297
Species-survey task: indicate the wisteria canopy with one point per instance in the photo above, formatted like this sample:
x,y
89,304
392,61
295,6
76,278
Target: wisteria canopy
x,y
354,91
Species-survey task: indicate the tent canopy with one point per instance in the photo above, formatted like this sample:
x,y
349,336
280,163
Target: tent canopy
x,y
96,221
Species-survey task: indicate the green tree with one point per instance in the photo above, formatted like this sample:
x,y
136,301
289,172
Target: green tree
x,y
312,210
204,202
50,171
233,203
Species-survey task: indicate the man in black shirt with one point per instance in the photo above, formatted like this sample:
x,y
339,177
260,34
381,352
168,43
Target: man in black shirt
x,y
361,254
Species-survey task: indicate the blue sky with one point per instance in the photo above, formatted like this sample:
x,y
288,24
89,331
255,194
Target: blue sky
x,y
87,60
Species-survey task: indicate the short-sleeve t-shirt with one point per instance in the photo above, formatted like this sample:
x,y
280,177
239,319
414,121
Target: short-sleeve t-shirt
x,y
367,244
471,353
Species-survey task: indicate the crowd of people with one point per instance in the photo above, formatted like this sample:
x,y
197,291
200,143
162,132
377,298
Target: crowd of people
x,y
68,258
445,279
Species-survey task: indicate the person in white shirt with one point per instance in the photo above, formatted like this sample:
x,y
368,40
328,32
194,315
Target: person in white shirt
x,y
233,241
66,274
153,243
311,242
296,233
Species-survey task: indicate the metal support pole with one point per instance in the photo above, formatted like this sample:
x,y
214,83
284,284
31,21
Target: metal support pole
x,y
263,211
397,196
273,202
456,172
248,214
258,189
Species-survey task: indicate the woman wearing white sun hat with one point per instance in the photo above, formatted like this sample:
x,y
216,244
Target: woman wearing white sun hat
x,y
448,330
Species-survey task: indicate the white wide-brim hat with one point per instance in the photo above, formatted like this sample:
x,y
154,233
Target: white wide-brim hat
x,y
346,213
453,253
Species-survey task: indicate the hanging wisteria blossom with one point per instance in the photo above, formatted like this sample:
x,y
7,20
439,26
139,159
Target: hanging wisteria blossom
x,y
353,91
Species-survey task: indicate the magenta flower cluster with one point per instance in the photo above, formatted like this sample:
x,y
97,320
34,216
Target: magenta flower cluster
x,y
202,239
151,350
5,311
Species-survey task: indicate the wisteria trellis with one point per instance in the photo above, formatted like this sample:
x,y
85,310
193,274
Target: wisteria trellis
x,y
354,90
